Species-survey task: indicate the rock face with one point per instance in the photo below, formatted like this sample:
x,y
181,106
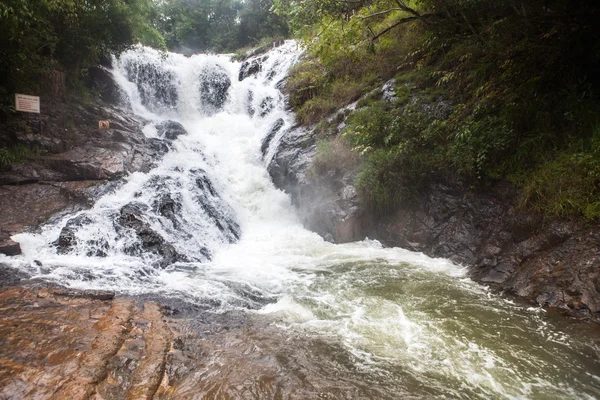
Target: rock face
x,y
85,343
214,87
149,241
551,263
76,162
272,132
156,86
251,67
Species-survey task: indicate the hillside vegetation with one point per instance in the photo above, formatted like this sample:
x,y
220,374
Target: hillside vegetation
x,y
47,46
490,90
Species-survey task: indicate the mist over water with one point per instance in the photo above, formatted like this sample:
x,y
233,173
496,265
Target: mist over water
x,y
390,322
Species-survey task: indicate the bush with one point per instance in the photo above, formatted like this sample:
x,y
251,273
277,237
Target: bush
x,y
568,185
333,158
18,154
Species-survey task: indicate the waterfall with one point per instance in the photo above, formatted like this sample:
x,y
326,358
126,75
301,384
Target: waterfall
x,y
207,226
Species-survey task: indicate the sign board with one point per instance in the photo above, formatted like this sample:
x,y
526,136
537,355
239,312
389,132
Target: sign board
x,y
103,124
27,103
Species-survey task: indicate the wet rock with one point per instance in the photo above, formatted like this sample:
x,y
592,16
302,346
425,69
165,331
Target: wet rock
x,y
32,204
215,209
275,128
131,217
83,294
9,247
67,239
249,106
214,87
170,129
266,106
168,208
251,67
101,80
293,156
10,276
157,87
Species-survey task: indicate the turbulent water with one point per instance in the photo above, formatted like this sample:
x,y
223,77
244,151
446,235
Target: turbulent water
x,y
376,322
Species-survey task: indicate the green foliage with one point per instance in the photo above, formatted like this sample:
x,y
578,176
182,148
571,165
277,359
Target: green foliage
x,y
565,186
46,45
333,157
480,145
521,76
18,154
401,148
218,25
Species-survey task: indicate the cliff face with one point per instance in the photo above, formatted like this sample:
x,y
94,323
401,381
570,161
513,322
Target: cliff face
x,y
75,162
552,263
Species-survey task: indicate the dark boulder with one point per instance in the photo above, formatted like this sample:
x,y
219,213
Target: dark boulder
x,y
9,247
251,67
170,129
266,106
214,87
157,87
67,239
215,208
149,241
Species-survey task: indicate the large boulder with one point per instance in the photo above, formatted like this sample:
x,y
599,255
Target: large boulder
x,y
149,241
157,86
214,87
251,67
170,129
9,247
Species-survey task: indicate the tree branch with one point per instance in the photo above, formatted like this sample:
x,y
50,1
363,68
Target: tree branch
x,y
380,13
397,23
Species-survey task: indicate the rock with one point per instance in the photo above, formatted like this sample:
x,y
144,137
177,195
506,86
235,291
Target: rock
x,y
149,240
388,92
83,294
67,239
101,80
251,67
215,209
157,87
170,129
275,128
33,204
214,87
265,106
9,247
10,276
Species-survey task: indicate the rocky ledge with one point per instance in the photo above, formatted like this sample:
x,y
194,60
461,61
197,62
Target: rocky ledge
x,y
554,263
75,162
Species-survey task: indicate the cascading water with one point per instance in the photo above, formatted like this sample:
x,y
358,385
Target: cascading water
x,y
207,226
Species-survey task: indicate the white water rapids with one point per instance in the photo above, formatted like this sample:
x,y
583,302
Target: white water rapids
x,y
415,325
